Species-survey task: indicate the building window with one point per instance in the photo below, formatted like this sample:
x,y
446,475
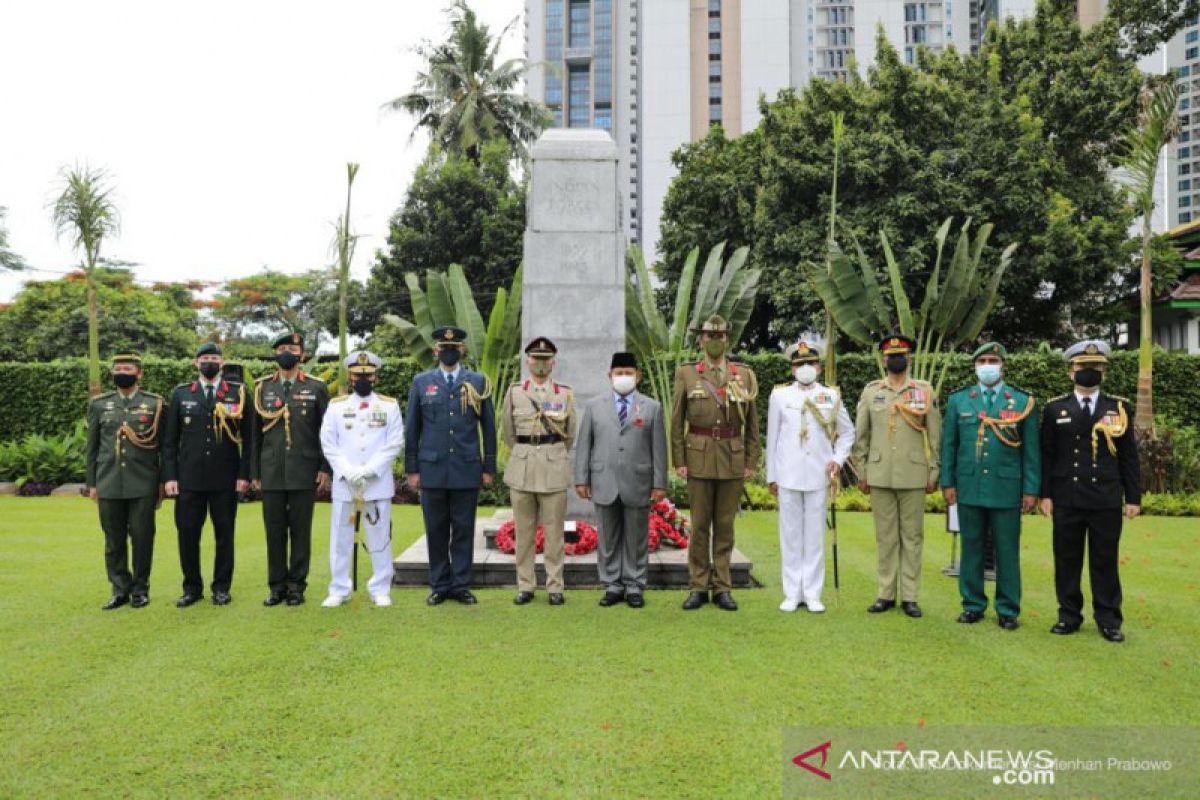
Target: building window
x,y
1185,185
908,55
581,23
1185,217
1185,201
1183,152
602,45
714,113
604,119
714,48
1192,36
1184,71
1185,169
579,99
714,6
1191,53
714,24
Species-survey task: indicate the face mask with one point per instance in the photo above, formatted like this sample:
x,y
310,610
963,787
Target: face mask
x,y
209,369
715,348
1088,377
449,356
124,380
540,369
988,374
806,373
623,384
287,360
897,363
362,386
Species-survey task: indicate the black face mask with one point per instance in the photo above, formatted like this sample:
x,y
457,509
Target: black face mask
x,y
1088,377
449,356
362,387
897,363
287,360
209,369
124,380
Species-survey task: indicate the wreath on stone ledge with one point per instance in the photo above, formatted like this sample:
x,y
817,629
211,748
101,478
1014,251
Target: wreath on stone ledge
x,y
667,527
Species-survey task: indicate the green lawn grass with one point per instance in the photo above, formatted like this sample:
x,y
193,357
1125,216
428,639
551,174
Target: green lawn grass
x,y
496,700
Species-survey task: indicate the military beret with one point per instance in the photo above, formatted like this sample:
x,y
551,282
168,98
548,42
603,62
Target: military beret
x,y
448,334
541,347
802,353
894,344
1089,351
363,362
291,337
128,357
990,349
208,349
623,361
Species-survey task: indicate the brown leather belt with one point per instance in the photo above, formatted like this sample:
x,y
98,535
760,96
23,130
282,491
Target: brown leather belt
x,y
725,432
550,438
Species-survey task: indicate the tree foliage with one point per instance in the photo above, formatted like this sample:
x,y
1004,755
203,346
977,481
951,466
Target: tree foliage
x,y
8,258
48,319
1021,135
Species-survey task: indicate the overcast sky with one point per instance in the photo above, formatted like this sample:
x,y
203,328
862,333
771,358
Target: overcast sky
x,y
226,125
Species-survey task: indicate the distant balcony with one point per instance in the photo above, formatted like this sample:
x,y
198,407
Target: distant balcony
x,y
578,55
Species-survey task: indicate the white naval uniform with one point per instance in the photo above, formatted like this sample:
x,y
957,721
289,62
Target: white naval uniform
x,y
362,432
798,452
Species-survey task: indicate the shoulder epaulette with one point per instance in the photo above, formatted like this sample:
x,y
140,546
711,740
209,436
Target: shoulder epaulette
x,y
385,398
563,386
340,398
781,386
1119,398
1060,397
185,383
102,396
966,388
152,394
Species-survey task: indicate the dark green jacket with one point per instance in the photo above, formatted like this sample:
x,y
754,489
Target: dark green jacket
x,y
286,454
117,466
990,473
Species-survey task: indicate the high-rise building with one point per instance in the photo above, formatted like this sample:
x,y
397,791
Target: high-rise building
x,y
1177,196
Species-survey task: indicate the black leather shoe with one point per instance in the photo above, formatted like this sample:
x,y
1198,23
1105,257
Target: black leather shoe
x,y
611,599
189,599
465,597
1063,629
436,598
879,606
556,599
522,598
970,617
1008,623
140,601
274,599
295,598
635,600
911,609
1113,635
221,598
695,600
725,601
116,601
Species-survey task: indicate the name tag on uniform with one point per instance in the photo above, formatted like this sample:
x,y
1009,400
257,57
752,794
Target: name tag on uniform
x,y
965,414
697,393
554,408
1062,420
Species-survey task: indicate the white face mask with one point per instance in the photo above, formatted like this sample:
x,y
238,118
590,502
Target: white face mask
x,y
623,384
805,373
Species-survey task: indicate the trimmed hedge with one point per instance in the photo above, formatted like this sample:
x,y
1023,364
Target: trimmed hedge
x,y
48,398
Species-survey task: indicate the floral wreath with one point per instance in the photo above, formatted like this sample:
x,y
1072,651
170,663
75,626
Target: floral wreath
x,y
667,527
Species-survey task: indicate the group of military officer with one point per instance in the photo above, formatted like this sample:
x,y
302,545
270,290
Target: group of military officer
x,y
214,438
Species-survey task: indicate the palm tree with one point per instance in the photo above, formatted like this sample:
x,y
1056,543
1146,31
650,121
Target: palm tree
x,y
464,100
8,259
85,212
1157,124
344,243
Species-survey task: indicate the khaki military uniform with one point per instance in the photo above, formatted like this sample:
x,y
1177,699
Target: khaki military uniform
x,y
538,424
123,466
897,440
714,433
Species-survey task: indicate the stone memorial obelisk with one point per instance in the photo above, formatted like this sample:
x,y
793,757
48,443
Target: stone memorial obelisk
x,y
573,289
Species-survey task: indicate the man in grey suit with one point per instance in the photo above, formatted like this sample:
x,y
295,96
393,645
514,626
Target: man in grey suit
x,y
621,466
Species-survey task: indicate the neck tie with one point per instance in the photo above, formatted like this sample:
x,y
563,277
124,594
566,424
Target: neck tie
x,y
287,389
208,395
450,380
990,394
1087,406
623,412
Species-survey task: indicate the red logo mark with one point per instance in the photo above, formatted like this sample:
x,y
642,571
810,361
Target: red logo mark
x,y
823,749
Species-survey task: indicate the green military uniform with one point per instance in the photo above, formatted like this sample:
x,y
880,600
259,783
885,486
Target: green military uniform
x,y
286,458
990,457
714,434
123,466
897,435
538,424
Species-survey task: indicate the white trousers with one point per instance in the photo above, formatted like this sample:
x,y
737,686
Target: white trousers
x,y
802,544
341,545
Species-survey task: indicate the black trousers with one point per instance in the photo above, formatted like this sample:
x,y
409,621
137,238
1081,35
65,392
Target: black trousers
x,y
191,509
287,516
124,521
450,532
1100,529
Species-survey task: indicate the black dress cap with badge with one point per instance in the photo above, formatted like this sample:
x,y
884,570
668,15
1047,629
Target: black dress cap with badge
x,y
291,337
448,334
541,347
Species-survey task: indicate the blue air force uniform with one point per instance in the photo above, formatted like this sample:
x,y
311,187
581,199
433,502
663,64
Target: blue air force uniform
x,y
448,408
